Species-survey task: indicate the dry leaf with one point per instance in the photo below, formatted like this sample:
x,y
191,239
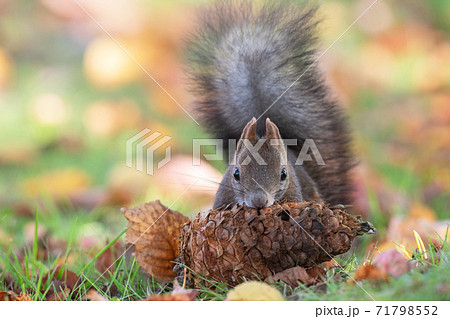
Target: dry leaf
x,y
59,183
57,292
7,296
11,296
89,199
155,230
105,262
307,276
23,297
93,295
418,210
178,294
391,262
254,291
61,278
369,272
6,69
167,297
400,231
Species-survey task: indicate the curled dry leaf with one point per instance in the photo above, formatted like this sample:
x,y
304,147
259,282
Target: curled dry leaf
x,y
155,230
232,243
292,276
254,291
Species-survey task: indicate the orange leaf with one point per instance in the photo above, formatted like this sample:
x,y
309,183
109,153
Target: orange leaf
x,y
419,210
23,297
7,296
370,272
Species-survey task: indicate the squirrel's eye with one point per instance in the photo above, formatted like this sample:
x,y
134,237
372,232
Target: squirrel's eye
x,y
236,174
283,174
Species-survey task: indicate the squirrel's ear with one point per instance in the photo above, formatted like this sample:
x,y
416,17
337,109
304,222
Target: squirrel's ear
x,y
272,131
249,131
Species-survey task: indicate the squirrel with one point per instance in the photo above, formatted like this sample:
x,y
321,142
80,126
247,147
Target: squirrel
x,y
249,60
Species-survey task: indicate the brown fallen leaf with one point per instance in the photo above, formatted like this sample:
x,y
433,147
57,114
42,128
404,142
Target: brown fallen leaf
x,y
167,297
368,272
178,294
93,295
392,262
105,262
61,279
7,296
155,230
307,276
58,291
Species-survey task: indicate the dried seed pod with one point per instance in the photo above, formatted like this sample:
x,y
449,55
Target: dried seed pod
x,y
231,244
155,230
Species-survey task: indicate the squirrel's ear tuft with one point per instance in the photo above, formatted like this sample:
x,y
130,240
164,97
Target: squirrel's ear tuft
x,y
249,131
272,131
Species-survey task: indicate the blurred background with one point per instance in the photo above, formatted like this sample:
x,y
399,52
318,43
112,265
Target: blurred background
x,y
70,98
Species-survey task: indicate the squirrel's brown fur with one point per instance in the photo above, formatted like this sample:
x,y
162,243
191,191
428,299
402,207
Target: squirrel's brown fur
x,y
246,56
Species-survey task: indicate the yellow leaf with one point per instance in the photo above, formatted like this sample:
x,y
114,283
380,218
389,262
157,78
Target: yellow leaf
x,y
254,291
5,68
59,183
419,210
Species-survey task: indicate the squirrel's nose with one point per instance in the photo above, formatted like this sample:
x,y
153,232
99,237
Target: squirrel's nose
x,y
259,202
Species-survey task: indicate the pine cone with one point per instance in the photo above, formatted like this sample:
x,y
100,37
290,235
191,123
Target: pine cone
x,y
231,244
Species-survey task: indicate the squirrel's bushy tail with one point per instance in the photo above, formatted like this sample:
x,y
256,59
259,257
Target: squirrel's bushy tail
x,y
244,56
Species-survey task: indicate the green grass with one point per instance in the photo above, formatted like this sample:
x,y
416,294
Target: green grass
x,y
23,270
